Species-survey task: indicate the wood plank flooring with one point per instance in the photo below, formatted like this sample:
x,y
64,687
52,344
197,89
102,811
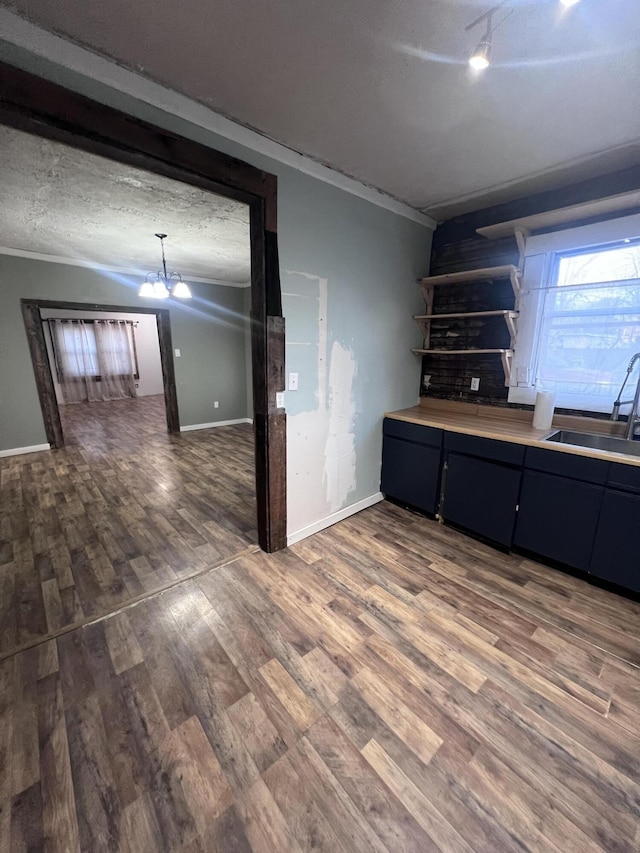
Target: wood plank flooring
x,y
124,509
386,685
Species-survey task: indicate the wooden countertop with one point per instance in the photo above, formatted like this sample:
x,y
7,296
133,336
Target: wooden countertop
x,y
512,425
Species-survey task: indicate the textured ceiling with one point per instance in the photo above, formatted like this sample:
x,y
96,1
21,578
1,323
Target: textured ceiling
x,y
58,200
382,90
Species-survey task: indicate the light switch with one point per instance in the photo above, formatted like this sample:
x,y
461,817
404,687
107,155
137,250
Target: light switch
x,y
177,353
293,382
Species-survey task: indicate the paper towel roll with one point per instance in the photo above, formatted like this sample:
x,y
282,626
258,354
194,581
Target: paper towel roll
x,y
543,412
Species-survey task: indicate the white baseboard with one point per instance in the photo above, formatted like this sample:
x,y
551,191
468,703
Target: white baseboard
x,y
334,518
216,424
17,451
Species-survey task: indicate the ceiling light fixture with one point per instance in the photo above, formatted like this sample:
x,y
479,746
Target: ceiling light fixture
x,y
161,284
569,2
481,56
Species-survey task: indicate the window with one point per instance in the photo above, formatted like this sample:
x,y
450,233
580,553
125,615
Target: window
x,y
76,344
580,321
76,350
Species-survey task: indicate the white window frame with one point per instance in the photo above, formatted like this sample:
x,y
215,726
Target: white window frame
x,y
539,267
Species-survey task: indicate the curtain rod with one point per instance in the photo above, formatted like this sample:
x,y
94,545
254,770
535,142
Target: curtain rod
x,y
89,320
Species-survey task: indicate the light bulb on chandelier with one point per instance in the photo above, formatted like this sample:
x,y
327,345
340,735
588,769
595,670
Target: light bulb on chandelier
x,y
161,284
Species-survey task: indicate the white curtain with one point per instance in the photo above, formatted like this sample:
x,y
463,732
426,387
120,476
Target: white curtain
x,y
95,360
114,344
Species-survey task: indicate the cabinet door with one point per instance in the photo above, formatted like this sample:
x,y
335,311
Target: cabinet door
x,y
411,473
616,553
557,518
481,496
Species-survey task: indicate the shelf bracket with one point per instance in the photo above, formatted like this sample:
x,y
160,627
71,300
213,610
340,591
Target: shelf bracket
x,y
516,285
506,366
521,239
427,292
510,320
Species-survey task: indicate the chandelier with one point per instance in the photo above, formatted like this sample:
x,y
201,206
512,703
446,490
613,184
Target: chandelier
x,y
161,284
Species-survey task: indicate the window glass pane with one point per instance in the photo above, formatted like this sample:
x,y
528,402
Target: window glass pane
x,y
80,354
589,332
615,264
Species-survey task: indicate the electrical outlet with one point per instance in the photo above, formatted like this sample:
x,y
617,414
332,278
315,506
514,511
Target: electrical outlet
x,y
475,383
293,382
426,380
280,400
177,353
216,405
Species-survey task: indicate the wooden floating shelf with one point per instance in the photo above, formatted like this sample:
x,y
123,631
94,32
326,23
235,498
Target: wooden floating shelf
x,y
424,320
563,216
509,271
505,271
429,284
509,313
419,351
505,354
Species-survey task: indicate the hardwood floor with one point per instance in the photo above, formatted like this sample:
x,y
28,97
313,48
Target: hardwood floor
x,y
386,685
124,509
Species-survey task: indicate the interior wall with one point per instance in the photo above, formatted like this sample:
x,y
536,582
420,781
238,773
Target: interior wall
x,y
209,331
147,347
348,271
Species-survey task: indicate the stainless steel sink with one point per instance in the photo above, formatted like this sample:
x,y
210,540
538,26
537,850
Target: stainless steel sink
x,y
597,442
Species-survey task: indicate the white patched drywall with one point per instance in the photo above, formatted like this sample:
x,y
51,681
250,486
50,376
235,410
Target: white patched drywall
x,y
321,451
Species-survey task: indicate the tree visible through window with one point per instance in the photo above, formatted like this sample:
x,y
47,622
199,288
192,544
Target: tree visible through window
x,y
590,326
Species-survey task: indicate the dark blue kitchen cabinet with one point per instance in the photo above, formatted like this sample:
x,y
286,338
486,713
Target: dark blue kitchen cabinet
x,y
411,463
481,496
616,551
557,517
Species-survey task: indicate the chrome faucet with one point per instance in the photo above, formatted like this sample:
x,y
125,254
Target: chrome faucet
x,y
634,418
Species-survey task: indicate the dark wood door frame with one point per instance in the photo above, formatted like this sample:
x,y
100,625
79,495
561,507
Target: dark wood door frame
x,y
34,325
38,106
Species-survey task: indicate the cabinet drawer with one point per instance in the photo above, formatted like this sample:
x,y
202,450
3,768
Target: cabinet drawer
x,y
626,477
567,465
413,432
484,448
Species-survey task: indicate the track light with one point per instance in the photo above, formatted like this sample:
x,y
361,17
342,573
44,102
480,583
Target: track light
x,y
481,57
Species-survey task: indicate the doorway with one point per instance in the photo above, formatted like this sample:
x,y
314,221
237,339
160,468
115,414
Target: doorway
x,y
43,357
43,108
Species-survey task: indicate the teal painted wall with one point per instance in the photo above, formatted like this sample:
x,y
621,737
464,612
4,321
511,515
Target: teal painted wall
x,y
209,331
348,270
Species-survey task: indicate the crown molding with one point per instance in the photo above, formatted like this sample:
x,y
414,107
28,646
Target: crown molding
x,y
79,262
22,34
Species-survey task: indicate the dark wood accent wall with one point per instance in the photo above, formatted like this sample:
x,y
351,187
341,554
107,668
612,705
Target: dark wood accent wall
x,y
457,247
